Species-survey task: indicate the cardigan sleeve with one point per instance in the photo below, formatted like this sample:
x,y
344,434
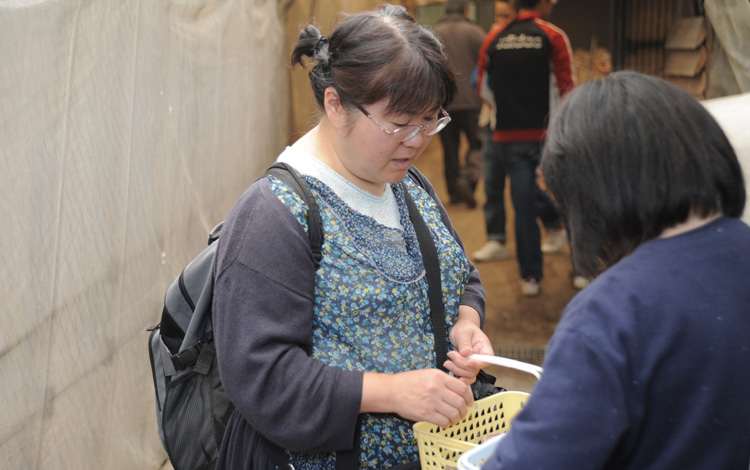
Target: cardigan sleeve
x,y
263,309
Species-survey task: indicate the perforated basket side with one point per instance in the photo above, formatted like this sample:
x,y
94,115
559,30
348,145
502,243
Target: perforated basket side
x,y
440,447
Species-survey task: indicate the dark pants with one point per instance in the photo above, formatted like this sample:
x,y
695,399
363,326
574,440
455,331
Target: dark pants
x,y
494,210
467,122
517,160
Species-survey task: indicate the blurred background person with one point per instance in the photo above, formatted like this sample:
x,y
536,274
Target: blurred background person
x,y
505,10
517,66
462,39
495,248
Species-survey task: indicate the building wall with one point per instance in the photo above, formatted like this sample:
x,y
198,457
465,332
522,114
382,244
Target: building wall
x,y
586,22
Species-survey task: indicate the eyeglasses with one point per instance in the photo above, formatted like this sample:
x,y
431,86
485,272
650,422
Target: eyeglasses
x,y
407,132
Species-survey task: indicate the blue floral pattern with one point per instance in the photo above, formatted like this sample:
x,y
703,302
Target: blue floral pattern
x,y
371,306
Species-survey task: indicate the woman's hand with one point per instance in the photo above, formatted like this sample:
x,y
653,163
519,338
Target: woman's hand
x,y
431,394
418,395
467,338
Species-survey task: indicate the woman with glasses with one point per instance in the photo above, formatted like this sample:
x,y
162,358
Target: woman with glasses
x,y
334,365
649,367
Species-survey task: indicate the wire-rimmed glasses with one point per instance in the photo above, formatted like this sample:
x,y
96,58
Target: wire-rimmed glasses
x,y
402,134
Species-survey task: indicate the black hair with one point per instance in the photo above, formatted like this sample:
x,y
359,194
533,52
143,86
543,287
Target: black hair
x,y
455,7
527,4
630,156
376,55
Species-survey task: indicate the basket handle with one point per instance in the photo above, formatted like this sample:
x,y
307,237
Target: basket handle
x,y
536,371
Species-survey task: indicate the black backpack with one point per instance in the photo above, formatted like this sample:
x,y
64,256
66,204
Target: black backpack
x,y
192,408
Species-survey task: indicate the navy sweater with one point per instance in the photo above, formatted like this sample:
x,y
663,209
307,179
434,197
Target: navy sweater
x,y
649,367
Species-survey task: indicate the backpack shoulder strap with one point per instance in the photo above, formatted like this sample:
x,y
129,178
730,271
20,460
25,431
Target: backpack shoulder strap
x,y
297,182
432,274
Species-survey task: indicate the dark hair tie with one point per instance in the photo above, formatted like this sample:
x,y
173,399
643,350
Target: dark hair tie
x,y
319,44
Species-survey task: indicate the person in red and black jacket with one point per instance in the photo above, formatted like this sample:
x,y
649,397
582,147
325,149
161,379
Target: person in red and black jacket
x,y
523,67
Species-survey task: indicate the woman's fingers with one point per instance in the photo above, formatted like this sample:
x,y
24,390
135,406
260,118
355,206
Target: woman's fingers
x,y
431,395
463,368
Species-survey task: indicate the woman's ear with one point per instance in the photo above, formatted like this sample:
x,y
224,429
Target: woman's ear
x,y
335,111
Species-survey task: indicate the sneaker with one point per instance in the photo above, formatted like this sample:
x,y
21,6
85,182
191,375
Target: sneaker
x,y
580,282
556,240
493,250
530,287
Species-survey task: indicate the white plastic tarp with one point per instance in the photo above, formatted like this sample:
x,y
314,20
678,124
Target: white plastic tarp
x,y
129,128
729,67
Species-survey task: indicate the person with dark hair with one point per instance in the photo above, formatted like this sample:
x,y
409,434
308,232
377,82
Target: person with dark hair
x,y
505,10
648,367
334,365
495,248
517,64
462,40
494,209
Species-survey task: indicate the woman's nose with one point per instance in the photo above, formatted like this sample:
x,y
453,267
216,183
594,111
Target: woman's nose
x,y
417,140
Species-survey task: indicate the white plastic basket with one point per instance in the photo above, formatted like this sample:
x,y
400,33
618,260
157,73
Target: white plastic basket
x,y
474,459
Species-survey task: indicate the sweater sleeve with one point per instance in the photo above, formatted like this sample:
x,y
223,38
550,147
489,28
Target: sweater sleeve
x,y
483,87
577,413
263,309
562,60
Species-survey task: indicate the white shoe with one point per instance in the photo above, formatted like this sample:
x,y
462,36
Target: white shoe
x,y
493,250
556,240
580,282
530,287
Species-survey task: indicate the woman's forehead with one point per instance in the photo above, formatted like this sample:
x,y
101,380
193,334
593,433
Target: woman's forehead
x,y
393,109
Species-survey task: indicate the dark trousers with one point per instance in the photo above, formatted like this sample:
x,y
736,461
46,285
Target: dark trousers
x,y
518,161
466,122
494,181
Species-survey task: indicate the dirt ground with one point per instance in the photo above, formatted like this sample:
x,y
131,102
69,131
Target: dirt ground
x,y
518,326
